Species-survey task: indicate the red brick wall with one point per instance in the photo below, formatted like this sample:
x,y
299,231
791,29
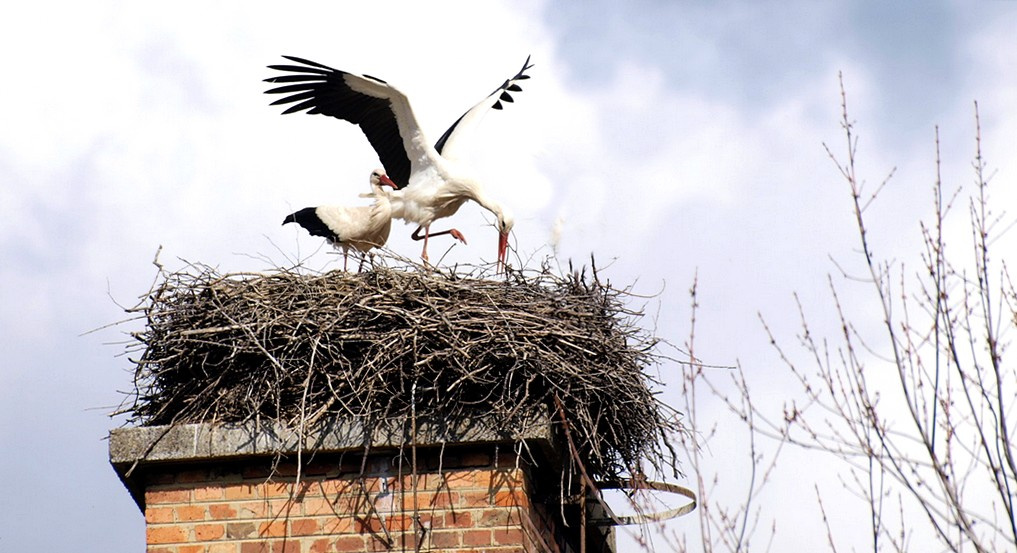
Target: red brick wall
x,y
477,505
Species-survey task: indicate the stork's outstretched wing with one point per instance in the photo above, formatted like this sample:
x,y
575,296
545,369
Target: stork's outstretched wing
x,y
448,144
380,109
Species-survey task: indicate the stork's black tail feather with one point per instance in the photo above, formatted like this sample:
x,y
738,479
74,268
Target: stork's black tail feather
x,y
308,218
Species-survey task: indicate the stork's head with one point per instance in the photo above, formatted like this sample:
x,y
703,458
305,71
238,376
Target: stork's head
x,y
504,223
379,179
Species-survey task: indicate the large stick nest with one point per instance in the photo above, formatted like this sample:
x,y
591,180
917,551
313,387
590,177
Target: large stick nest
x,y
290,348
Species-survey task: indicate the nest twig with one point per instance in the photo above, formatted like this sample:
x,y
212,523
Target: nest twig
x,y
291,348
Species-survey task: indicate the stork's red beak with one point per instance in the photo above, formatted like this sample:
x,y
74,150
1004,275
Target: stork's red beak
x,y
502,250
388,182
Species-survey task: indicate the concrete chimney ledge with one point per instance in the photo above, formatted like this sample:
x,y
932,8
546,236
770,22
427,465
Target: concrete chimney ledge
x,y
133,450
195,442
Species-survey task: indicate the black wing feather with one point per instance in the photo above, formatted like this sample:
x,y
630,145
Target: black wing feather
x,y
298,69
291,78
294,98
286,89
309,62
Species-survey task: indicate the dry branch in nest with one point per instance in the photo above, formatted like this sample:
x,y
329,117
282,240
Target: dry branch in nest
x,y
374,346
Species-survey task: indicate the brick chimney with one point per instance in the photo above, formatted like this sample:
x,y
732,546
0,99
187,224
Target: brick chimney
x,y
237,489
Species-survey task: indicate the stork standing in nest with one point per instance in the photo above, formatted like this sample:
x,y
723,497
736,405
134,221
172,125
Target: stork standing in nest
x,y
431,182
361,228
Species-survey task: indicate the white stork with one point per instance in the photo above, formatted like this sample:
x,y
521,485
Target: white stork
x,y
431,184
360,228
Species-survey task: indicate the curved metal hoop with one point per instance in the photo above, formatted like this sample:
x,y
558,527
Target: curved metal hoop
x,y
640,518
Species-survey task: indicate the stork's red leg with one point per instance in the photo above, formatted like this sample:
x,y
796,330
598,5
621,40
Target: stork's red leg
x,y
454,232
416,236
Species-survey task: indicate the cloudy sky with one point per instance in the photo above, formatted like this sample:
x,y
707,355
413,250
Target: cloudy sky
x,y
665,138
